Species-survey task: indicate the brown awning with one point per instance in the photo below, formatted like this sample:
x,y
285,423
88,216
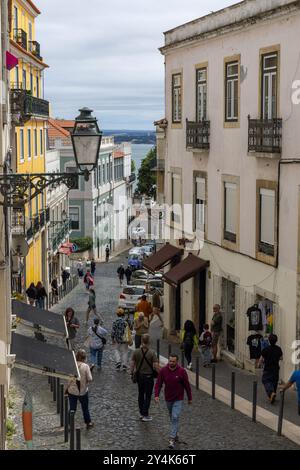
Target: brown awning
x,y
188,268
161,257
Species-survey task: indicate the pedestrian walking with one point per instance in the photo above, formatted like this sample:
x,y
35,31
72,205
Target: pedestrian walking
x,y
98,339
80,269
175,380
295,379
107,253
270,357
31,294
93,267
121,273
88,280
156,305
141,327
78,389
72,327
128,274
41,295
145,307
216,329
64,276
91,305
120,339
54,289
189,341
205,342
144,368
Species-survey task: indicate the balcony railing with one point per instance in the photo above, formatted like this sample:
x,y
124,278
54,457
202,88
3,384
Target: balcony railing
x,y
36,224
36,106
47,214
59,233
24,106
42,218
20,36
264,136
29,232
197,134
35,49
18,223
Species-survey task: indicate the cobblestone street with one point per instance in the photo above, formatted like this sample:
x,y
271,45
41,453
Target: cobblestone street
x,y
207,424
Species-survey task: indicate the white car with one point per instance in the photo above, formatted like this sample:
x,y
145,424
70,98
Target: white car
x,y
148,250
137,250
138,232
130,296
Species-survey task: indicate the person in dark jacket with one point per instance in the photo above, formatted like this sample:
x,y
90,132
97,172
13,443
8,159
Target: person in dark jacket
x,y
93,267
72,326
107,253
128,274
176,381
270,357
64,276
31,294
121,272
41,295
54,288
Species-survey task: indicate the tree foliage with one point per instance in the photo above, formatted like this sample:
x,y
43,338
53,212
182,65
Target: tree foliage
x,y
83,244
147,177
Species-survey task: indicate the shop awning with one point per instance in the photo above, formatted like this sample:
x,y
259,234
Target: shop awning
x,y
29,316
43,358
64,251
161,257
184,270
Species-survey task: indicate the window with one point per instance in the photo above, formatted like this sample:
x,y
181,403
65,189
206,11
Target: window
x,y
100,175
200,204
16,18
176,98
35,143
95,216
118,169
17,77
267,221
41,142
232,91
31,82
107,172
269,86
22,153
37,86
29,150
72,169
176,198
30,34
24,80
201,94
104,173
74,217
230,205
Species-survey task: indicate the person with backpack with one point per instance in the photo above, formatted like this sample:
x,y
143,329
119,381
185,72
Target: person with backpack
x,y
144,368
97,336
205,342
121,273
189,340
120,336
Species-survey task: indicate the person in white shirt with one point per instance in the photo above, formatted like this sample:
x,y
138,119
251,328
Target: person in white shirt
x,y
97,336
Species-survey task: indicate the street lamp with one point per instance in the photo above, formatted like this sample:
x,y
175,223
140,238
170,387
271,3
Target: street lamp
x,y
86,140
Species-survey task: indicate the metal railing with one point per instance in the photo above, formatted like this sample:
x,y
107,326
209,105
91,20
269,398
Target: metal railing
x,y
36,224
42,218
24,106
35,49
47,214
59,233
197,134
62,291
20,36
18,223
36,106
264,136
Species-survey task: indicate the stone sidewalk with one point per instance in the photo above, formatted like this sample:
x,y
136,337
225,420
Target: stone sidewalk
x,y
207,424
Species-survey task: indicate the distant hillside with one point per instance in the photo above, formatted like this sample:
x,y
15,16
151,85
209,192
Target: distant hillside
x,y
135,137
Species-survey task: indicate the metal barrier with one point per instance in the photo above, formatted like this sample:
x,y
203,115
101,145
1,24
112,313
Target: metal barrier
x,y
280,416
72,430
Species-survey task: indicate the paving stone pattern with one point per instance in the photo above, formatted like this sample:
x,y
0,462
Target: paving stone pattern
x,y
207,424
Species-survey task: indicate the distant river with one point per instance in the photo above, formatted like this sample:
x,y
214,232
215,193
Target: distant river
x,y
139,152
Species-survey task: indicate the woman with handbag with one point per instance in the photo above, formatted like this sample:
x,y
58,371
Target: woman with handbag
x,y
97,340
78,389
144,368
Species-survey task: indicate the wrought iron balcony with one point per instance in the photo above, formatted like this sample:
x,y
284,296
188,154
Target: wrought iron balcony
x,y
20,36
264,136
36,106
29,233
197,135
24,106
18,222
42,218
47,214
59,233
35,49
36,224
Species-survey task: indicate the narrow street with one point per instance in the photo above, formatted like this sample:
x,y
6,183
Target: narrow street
x,y
207,424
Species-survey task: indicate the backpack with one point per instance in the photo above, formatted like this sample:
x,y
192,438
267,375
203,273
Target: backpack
x,y
188,339
127,337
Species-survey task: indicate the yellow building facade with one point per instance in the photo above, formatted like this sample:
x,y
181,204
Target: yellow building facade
x,y
30,112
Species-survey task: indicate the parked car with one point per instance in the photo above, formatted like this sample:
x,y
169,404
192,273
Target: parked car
x,y
137,250
131,295
135,261
138,232
143,274
151,243
148,250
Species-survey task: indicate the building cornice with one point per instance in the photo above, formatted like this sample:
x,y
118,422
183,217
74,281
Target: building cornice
x,y
30,7
19,48
228,27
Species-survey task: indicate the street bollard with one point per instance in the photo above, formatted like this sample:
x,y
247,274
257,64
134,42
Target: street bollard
x,y
182,359
280,417
62,402
213,381
72,430
54,388
78,439
169,350
232,390
157,349
66,421
254,405
197,372
49,379
51,382
58,396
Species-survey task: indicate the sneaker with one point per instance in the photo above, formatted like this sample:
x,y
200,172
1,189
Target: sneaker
x,y
147,418
272,398
90,425
189,366
92,367
176,439
171,444
118,366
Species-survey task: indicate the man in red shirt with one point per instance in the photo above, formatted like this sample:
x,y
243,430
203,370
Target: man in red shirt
x,y
176,381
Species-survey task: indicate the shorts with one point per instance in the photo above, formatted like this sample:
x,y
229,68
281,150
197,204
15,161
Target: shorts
x,y
215,338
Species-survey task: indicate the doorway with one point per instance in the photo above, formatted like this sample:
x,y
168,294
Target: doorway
x,y
202,300
228,307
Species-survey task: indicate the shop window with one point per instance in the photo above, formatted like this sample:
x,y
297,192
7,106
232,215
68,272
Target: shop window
x,y
267,221
230,211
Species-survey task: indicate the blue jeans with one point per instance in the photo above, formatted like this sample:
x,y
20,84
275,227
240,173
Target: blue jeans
x,y
206,355
270,381
40,302
175,409
96,356
84,401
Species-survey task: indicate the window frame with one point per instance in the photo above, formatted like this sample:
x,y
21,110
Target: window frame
x,y
201,82
35,144
176,114
269,72
71,220
228,235
29,145
231,241
232,79
22,146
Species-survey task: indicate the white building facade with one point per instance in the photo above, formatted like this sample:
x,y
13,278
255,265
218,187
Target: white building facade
x,y
231,152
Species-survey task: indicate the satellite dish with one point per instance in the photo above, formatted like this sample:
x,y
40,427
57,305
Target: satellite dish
x,y
20,246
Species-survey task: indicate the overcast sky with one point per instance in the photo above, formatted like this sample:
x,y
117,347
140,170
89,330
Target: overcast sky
x,y
104,54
